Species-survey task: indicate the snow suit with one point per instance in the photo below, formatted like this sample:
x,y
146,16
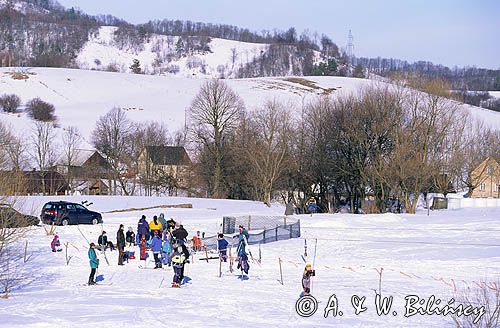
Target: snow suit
x,y
55,245
94,264
165,251
178,261
142,228
130,237
142,247
306,280
222,247
242,256
156,248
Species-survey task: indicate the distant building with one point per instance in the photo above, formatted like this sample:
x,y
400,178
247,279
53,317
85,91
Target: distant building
x,y
87,172
486,179
45,182
164,165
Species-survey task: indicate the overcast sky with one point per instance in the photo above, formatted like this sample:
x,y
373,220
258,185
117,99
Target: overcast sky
x,y
449,32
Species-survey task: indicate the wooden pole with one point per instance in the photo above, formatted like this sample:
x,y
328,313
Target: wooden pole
x,y
281,272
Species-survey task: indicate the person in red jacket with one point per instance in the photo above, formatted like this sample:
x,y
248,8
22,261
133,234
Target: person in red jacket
x,y
142,246
56,244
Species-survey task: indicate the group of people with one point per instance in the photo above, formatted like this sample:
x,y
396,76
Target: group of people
x,y
166,239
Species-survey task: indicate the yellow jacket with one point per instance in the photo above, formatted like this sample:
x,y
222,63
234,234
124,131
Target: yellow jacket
x,y
153,226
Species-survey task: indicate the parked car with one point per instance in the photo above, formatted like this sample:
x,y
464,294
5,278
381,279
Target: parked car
x,y
10,218
64,213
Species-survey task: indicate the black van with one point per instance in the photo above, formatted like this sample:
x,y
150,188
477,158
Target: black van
x,y
64,213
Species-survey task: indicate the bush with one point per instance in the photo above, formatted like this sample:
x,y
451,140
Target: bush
x,y
40,110
10,103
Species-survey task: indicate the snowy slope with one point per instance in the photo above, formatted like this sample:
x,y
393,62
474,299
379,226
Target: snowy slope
x,y
419,254
82,96
101,50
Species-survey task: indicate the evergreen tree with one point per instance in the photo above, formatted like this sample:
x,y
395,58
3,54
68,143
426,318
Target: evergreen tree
x,y
136,67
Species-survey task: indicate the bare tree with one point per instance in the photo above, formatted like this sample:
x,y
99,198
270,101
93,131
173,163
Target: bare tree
x,y
214,113
267,152
110,137
43,147
71,142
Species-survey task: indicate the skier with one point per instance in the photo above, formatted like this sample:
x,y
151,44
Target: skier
x,y
103,242
142,247
56,244
156,248
178,260
130,237
166,248
120,244
222,246
241,254
94,264
154,225
142,228
306,279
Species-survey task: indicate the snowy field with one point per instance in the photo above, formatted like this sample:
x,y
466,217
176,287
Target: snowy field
x,y
81,97
420,254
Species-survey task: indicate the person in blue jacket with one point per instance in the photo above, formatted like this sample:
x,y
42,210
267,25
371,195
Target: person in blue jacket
x,y
241,253
222,247
156,247
166,249
142,228
94,264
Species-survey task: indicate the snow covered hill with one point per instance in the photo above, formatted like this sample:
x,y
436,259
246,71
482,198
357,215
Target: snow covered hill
x,y
82,96
162,54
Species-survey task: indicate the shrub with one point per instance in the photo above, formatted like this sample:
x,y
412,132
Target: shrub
x,y
40,110
10,103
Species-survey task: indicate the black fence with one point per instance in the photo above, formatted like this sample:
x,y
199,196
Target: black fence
x,y
261,229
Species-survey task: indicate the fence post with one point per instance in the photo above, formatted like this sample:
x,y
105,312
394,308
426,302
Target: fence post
x,y
264,235
290,232
285,220
249,219
299,229
276,233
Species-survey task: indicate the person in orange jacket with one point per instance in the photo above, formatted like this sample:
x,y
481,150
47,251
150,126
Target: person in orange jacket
x,y
155,225
197,242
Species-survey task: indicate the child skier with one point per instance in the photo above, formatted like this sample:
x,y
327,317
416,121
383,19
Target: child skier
x,y
197,242
306,279
241,254
56,244
165,250
142,247
222,246
178,260
156,248
130,237
94,264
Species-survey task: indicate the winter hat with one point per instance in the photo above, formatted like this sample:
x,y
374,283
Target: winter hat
x,y
121,226
92,244
143,216
308,265
56,237
130,229
221,236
